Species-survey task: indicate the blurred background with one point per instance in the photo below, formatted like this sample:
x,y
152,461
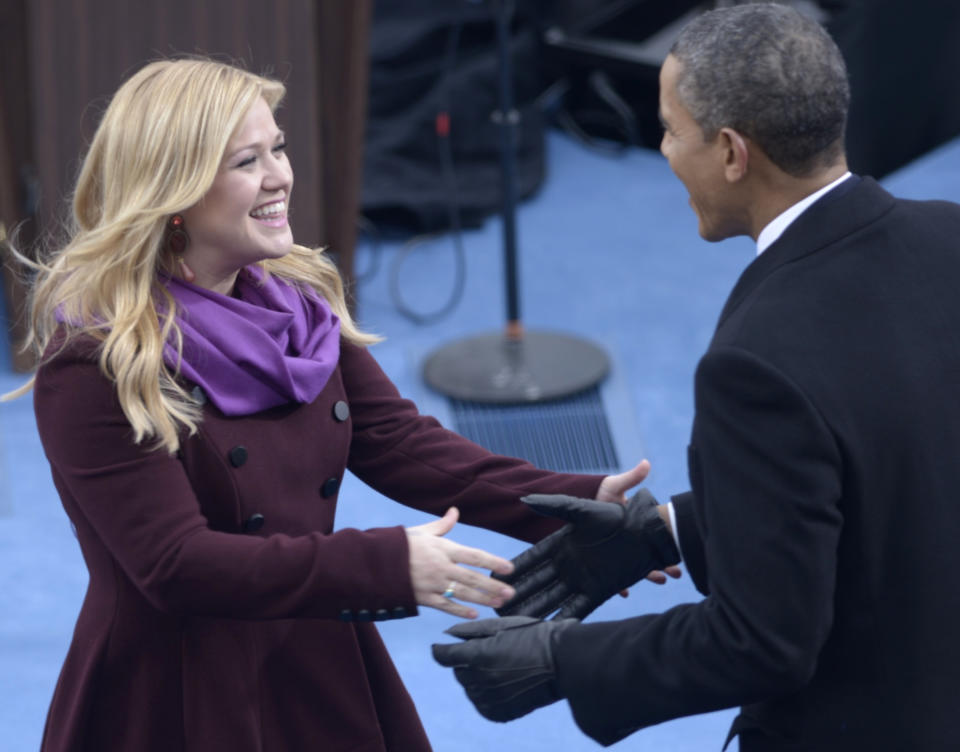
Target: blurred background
x,y
408,159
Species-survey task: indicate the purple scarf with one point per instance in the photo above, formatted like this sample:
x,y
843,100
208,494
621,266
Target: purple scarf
x,y
270,345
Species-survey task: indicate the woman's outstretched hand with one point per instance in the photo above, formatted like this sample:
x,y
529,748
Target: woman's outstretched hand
x,y
614,488
438,576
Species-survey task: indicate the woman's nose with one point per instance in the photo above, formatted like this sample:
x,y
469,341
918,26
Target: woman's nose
x,y
278,173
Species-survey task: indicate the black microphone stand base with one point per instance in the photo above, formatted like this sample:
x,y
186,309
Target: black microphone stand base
x,y
500,369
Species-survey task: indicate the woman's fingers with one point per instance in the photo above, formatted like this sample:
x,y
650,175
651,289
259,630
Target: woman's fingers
x,y
615,487
451,607
471,594
477,557
464,584
467,586
438,527
660,577
438,574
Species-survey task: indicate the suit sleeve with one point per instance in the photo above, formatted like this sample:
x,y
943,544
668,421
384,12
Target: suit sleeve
x,y
691,544
766,488
411,458
136,506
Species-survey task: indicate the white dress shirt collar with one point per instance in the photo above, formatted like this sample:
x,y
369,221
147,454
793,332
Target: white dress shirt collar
x,y
782,221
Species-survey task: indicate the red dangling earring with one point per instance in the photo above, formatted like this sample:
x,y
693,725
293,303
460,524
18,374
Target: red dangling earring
x,y
177,240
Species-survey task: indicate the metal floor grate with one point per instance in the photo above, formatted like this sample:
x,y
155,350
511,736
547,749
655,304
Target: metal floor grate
x,y
566,435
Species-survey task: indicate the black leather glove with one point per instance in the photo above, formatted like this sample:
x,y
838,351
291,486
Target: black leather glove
x,y
606,547
505,665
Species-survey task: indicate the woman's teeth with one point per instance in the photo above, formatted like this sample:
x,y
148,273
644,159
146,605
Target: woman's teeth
x,y
270,211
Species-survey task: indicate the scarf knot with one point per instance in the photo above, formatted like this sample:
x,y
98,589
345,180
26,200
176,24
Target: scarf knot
x,y
272,344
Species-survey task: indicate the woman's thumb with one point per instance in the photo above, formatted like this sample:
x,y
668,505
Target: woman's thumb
x,y
445,524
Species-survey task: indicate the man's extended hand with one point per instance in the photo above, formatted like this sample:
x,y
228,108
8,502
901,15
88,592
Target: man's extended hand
x,y
605,548
505,665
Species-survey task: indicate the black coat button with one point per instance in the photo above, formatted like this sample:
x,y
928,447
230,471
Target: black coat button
x,y
341,411
364,615
253,523
399,612
381,614
237,455
330,487
199,396
346,615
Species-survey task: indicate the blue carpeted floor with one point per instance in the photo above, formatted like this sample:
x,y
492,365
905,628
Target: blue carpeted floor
x,y
609,251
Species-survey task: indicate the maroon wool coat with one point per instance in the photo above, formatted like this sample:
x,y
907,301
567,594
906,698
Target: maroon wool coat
x,y
223,611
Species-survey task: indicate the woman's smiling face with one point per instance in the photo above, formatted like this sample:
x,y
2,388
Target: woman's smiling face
x,y
242,219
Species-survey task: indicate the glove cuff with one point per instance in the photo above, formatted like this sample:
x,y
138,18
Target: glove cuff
x,y
645,506
557,628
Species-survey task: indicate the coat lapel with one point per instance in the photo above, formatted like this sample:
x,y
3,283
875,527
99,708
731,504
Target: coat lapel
x,y
850,206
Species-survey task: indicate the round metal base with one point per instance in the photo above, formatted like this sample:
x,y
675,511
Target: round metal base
x,y
497,369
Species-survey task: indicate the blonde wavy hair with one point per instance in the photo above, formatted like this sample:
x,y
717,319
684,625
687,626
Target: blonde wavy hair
x,y
156,152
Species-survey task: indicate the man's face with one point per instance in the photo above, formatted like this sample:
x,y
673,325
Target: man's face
x,y
698,163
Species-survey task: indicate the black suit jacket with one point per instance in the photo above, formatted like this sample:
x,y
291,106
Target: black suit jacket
x,y
824,516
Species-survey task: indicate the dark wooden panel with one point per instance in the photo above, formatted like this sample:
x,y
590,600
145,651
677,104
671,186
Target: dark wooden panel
x,y
16,167
342,36
82,50
61,62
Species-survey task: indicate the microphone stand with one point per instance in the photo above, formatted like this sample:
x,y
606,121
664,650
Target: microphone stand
x,y
514,366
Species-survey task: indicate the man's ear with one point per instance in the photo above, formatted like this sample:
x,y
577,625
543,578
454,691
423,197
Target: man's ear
x,y
736,154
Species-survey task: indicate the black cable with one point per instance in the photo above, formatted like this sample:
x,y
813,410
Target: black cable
x,y
448,173
620,118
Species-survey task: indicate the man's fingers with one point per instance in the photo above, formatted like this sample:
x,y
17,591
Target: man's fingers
x,y
537,603
590,518
529,582
488,627
448,655
540,552
555,505
578,607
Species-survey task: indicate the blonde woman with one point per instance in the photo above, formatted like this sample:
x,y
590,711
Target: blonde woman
x,y
201,393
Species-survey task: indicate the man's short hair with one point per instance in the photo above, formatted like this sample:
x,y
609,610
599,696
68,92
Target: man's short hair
x,y
773,75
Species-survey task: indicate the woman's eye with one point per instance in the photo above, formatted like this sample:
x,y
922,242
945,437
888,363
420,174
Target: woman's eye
x,y
247,161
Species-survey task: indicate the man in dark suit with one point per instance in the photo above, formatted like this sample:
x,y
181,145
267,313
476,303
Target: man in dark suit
x,y
823,518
